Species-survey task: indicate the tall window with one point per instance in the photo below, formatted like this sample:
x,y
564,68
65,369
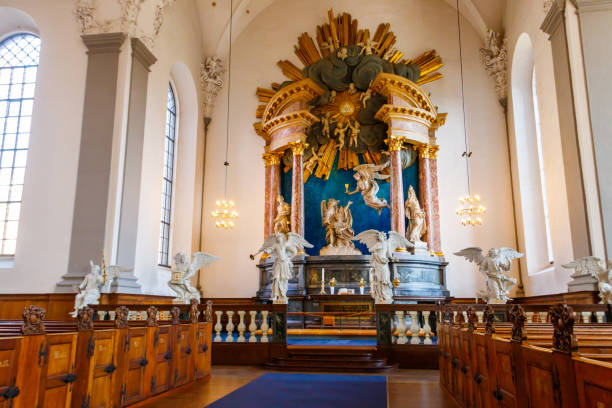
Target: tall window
x,y
166,207
19,55
536,111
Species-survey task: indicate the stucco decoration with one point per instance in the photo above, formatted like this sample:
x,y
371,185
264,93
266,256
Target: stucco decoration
x,y
211,79
494,57
85,13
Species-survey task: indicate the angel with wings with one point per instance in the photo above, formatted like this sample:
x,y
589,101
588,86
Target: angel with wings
x,y
94,283
592,266
366,176
381,250
283,248
494,267
182,273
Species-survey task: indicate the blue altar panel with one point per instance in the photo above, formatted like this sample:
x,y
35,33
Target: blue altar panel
x,y
364,217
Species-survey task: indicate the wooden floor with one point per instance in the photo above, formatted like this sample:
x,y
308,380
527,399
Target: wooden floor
x,y
418,387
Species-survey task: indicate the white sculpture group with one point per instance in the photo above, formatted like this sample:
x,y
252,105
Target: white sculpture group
x,y
94,283
338,223
182,273
494,267
603,273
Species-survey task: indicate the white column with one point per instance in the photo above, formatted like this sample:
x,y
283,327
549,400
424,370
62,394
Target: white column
x,y
241,327
414,328
253,327
264,326
230,327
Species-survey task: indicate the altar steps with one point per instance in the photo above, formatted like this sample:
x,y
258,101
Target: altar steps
x,y
353,359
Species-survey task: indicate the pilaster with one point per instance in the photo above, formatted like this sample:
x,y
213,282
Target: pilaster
x,y
297,187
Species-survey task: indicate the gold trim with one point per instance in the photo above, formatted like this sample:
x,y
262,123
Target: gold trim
x,y
395,143
401,250
298,147
271,159
427,151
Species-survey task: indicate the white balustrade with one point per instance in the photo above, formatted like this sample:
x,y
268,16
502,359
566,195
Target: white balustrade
x,y
229,327
529,316
414,328
427,328
241,327
264,326
600,316
112,314
218,326
101,315
586,317
253,327
401,327
542,316
480,316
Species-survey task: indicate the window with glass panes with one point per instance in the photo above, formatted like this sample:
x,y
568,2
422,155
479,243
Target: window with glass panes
x,y
19,55
168,180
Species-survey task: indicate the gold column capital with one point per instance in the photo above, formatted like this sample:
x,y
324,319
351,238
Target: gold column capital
x,y
428,151
395,143
271,159
298,147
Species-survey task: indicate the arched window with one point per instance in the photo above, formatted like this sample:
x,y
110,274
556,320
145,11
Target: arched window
x,y
19,55
168,180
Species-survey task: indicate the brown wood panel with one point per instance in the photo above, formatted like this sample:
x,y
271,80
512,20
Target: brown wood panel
x,y
505,374
58,371
593,382
204,350
162,360
482,380
9,355
135,363
183,351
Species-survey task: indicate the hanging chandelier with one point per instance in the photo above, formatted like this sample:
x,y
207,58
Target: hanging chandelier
x,y
225,213
470,211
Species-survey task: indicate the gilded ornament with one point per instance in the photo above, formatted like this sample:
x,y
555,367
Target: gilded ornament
x,y
427,151
298,147
271,159
395,143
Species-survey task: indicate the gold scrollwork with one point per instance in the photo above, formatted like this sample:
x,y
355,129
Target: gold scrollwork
x,y
298,147
271,159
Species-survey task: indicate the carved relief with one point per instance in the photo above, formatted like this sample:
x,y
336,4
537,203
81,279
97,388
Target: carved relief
x,y
33,320
518,319
176,315
121,319
562,319
85,319
211,79
472,319
209,311
494,57
489,318
193,311
459,318
152,316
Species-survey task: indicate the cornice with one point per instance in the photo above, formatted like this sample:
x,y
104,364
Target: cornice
x,y
142,53
590,6
305,90
553,19
107,43
390,84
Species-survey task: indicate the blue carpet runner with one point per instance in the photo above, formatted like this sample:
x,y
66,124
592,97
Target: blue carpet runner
x,y
278,390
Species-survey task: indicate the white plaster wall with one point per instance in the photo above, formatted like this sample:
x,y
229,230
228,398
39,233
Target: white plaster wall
x,y
48,196
420,25
523,16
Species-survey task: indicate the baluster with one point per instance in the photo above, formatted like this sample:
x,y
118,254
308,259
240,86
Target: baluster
x,y
229,328
401,328
264,326
427,328
241,327
480,316
465,317
101,315
542,316
253,327
586,317
218,326
529,317
414,328
112,314
600,316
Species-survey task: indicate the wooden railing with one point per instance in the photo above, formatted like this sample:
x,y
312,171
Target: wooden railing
x,y
527,355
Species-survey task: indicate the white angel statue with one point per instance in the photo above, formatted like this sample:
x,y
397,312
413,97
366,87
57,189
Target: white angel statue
x,y
592,265
182,273
381,249
93,284
493,266
366,176
283,249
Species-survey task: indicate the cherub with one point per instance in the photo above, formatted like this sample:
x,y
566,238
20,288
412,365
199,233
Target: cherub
x,y
365,97
355,129
352,90
312,162
390,53
332,96
343,53
341,133
368,46
326,121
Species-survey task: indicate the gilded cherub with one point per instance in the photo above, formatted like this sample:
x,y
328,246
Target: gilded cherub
x,y
326,122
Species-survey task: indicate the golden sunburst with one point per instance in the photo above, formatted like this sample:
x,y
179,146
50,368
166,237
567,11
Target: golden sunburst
x,y
344,107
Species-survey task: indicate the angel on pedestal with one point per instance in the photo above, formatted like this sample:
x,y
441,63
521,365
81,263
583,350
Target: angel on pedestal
x,y
94,283
381,249
592,265
366,176
338,223
282,222
182,273
493,267
416,221
283,249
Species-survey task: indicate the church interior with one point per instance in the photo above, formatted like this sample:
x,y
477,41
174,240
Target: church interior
x,y
289,203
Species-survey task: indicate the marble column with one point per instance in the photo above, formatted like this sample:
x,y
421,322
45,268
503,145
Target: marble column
x,y
398,212
297,187
428,194
94,169
272,163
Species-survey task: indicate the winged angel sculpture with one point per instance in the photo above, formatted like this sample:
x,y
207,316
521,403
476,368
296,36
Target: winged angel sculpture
x,y
182,273
592,265
381,250
94,283
283,249
366,176
493,266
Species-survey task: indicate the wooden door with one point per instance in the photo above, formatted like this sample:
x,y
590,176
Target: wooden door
x,y
162,344
480,369
9,354
136,361
58,371
183,351
593,383
103,368
504,394
466,367
457,386
203,350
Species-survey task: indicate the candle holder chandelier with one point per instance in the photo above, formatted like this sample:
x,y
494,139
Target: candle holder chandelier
x,y
470,211
225,212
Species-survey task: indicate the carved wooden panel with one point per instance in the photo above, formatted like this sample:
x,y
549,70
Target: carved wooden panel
x,y
480,368
58,371
505,373
458,386
134,386
183,350
594,383
542,377
204,349
9,353
103,369
162,345
466,367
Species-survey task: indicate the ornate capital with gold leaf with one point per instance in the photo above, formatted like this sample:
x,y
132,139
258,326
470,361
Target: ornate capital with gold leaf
x,y
271,159
298,147
395,143
427,151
